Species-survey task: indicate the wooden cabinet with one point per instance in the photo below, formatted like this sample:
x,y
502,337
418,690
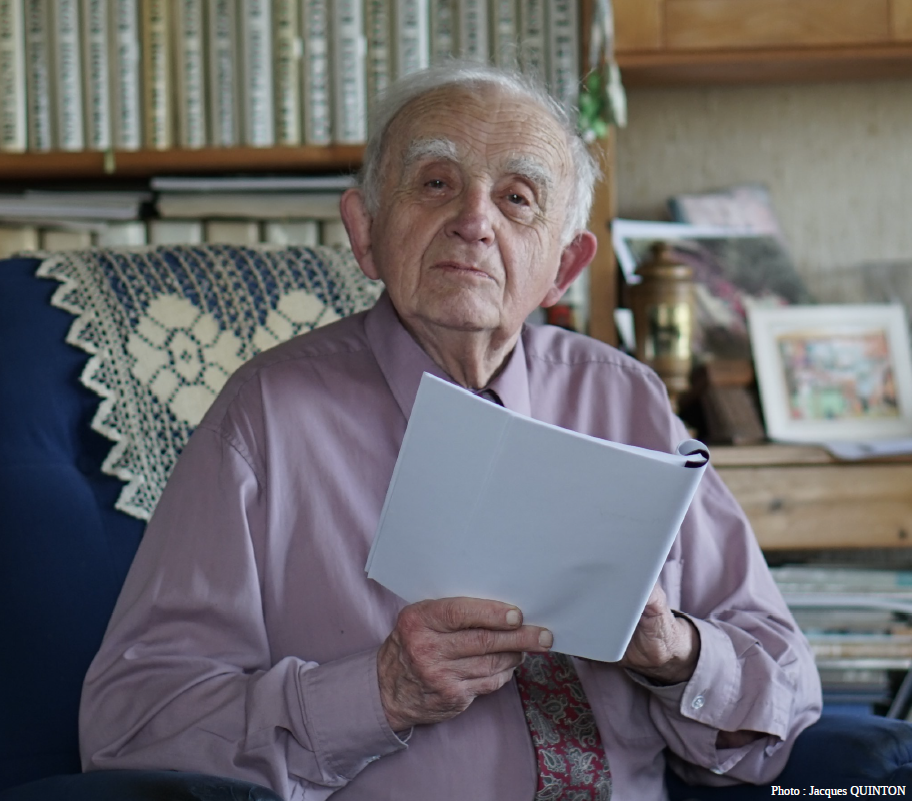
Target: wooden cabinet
x,y
725,41
800,497
902,20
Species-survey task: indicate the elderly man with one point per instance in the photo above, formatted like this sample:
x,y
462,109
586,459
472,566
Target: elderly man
x,y
248,641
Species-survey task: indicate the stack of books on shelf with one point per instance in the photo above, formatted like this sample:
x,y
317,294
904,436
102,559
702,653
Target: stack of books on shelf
x,y
244,211
104,75
859,625
178,211
53,221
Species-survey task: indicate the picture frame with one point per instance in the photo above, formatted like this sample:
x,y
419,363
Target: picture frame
x,y
833,373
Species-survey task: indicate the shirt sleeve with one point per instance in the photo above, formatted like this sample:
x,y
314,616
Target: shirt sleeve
x,y
755,672
184,678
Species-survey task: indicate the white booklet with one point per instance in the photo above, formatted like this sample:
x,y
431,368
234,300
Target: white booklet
x,y
572,529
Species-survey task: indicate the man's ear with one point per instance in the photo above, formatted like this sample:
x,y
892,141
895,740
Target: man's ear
x,y
574,259
357,223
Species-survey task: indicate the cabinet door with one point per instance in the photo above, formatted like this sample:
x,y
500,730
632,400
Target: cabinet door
x,y
638,25
736,24
902,20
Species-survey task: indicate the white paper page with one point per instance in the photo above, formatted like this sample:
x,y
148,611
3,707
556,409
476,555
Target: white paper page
x,y
487,503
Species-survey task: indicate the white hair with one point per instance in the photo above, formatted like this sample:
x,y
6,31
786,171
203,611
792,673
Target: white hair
x,y
470,75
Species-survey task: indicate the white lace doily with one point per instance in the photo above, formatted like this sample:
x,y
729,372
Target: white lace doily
x,y
166,326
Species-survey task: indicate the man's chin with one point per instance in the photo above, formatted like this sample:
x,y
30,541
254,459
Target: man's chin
x,y
462,314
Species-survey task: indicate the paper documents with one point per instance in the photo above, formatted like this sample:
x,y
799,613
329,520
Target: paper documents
x,y
572,529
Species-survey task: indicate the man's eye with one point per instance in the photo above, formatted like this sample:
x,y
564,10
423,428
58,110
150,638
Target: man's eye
x,y
435,183
517,199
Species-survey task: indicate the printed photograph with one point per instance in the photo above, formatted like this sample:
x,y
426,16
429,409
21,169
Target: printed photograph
x,y
835,377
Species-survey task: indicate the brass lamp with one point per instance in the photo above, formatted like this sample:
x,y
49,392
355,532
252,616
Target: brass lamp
x,y
663,318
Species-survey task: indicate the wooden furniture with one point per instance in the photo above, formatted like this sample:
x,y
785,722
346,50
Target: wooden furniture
x,y
799,496
738,41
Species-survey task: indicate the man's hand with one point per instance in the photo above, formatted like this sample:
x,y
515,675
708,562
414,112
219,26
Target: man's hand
x,y
444,653
664,647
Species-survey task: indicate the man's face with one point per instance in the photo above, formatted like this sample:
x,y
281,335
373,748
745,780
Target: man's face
x,y
475,190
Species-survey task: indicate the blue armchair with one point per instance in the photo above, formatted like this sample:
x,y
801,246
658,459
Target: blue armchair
x,y
65,547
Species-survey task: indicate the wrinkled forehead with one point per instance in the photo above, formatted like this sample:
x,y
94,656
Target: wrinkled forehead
x,y
485,126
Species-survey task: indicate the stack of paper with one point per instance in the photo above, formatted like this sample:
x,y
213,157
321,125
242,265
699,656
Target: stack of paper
x,y
572,529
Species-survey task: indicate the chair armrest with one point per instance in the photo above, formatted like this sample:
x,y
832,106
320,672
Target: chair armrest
x,y
138,785
836,752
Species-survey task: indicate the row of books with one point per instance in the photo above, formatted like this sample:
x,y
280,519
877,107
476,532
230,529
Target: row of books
x,y
858,622
157,74
56,236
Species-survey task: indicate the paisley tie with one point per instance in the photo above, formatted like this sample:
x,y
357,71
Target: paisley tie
x,y
572,765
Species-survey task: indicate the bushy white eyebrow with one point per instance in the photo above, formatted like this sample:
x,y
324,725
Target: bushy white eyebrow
x,y
439,148
533,171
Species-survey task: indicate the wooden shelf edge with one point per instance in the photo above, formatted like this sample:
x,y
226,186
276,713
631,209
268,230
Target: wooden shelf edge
x,y
147,163
774,65
783,455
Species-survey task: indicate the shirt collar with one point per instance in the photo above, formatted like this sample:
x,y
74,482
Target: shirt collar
x,y
402,361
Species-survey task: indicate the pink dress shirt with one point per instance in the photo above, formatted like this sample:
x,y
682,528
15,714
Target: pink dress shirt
x,y
245,638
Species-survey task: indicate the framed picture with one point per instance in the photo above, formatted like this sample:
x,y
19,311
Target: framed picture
x,y
833,373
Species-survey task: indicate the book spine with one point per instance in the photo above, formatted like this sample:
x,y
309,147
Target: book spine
x,y
504,33
175,232
158,117
122,234
348,62
38,75
532,39
256,69
13,133
223,75
16,238
126,82
442,30
67,75
189,74
315,76
287,49
292,232
563,51
53,239
97,72
472,29
232,232
333,234
412,48
378,27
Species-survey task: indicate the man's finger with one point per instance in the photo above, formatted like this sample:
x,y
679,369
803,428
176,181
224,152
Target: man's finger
x,y
479,642
479,667
489,684
455,614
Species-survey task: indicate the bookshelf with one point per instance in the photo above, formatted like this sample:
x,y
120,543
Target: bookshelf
x,y
143,164
116,167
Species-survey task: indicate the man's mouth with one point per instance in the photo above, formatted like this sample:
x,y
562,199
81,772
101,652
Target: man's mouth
x,y
461,268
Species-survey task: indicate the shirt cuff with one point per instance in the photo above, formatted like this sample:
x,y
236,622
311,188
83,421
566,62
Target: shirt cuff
x,y
707,703
340,702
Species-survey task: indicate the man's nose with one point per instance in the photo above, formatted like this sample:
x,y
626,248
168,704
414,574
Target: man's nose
x,y
473,219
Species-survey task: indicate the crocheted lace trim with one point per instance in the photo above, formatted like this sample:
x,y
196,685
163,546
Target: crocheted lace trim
x,y
166,326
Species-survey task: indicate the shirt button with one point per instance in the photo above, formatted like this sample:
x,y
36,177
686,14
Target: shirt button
x,y
698,702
